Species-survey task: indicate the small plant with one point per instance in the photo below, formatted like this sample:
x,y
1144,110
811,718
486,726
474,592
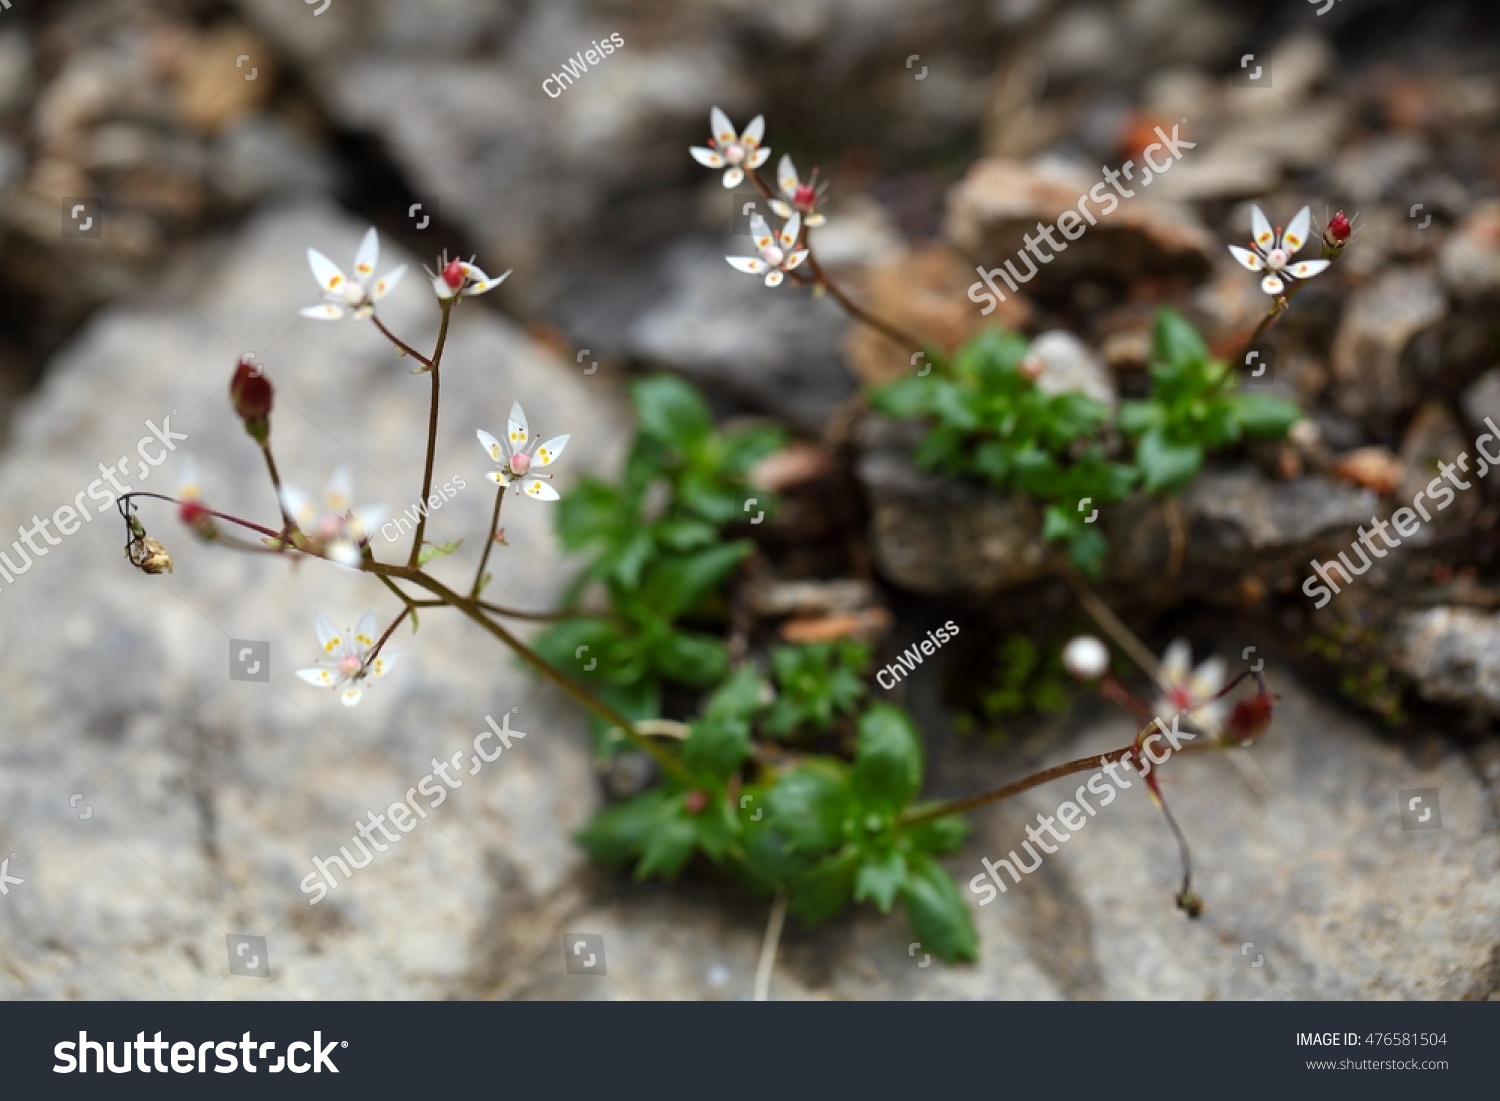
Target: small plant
x,y
1026,681
990,419
816,682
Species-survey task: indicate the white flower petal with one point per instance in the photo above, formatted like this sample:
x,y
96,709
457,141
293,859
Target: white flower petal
x,y
752,264
760,232
350,697
326,272
706,157
755,131
813,221
733,177
482,285
1306,269
323,678
760,157
1272,285
548,452
365,521
786,176
368,254
329,637
299,505
1296,233
783,210
774,278
1247,258
1177,662
540,490
720,126
1207,679
188,486
343,551
491,445
788,236
499,477
794,258
384,663
366,631
326,312
1260,228
518,431
387,283
339,496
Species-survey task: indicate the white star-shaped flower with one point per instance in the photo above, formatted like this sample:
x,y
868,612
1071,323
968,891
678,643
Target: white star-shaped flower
x,y
1191,690
519,455
1273,251
461,277
355,295
801,198
778,251
339,530
731,151
346,665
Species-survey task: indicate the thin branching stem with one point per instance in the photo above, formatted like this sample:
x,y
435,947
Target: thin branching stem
x,y
432,427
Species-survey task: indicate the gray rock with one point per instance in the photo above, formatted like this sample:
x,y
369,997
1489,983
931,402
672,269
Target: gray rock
x,y
1373,375
1470,258
264,156
1453,655
935,535
1068,364
776,348
208,797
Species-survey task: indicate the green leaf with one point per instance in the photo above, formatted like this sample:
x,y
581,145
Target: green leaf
x,y
690,657
1166,465
684,534
669,844
430,551
808,806
675,584
937,912
887,759
1265,414
880,878
739,697
618,834
941,835
826,889
910,397
1057,523
1087,549
1137,416
716,747
671,411
1175,343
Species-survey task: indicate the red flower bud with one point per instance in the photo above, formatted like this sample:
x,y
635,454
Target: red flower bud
x,y
251,392
453,274
695,801
1249,718
192,512
1338,230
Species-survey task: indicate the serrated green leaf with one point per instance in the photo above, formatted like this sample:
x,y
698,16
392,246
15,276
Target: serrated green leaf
x,y
1137,416
430,551
941,835
880,878
825,890
669,844
887,759
674,584
742,696
937,913
618,834
716,747
689,657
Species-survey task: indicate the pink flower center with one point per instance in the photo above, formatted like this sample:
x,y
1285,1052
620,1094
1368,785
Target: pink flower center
x,y
453,274
1276,259
804,197
773,256
1180,698
520,462
349,665
734,152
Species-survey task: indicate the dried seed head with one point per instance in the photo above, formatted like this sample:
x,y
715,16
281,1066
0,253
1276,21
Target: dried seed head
x,y
152,557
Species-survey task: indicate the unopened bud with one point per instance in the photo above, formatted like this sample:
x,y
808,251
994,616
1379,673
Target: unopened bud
x,y
695,801
1249,718
251,394
1336,235
193,513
